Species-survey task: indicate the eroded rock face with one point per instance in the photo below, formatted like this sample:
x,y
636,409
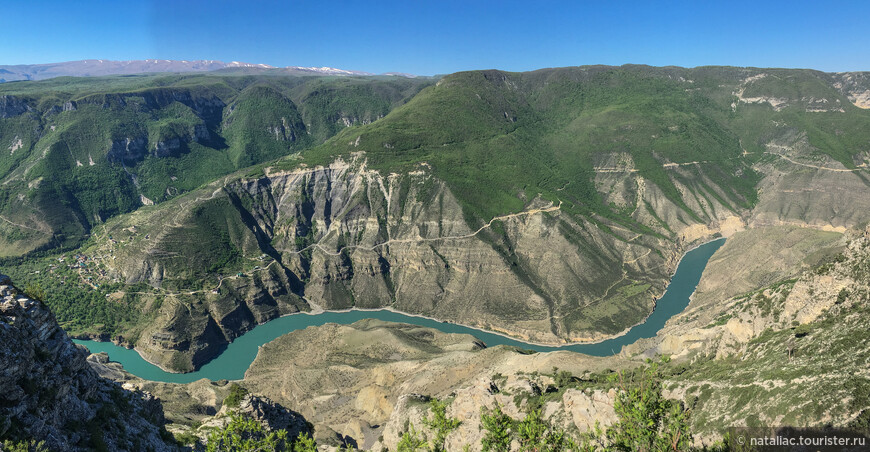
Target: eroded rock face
x,y
127,150
576,412
272,415
12,106
50,392
856,86
168,147
172,146
345,236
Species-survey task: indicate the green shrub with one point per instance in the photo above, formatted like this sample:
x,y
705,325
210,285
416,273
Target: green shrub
x,y
647,420
24,446
440,423
246,434
499,430
563,378
234,398
411,441
186,438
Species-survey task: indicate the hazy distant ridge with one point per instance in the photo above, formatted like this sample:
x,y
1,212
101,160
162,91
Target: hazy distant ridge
x,y
86,68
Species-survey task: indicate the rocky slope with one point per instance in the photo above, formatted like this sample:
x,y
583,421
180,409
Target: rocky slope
x,y
796,346
50,392
344,236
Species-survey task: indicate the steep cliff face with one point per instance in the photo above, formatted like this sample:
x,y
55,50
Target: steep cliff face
x,y
11,106
50,393
344,236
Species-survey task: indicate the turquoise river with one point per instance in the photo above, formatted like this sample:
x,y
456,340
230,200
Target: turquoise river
x,y
238,356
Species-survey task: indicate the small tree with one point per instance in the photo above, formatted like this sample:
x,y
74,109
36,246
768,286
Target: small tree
x,y
562,378
234,398
499,430
246,434
24,446
411,441
647,420
537,435
304,443
440,423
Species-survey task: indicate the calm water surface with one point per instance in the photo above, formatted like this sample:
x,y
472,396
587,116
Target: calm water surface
x,y
238,356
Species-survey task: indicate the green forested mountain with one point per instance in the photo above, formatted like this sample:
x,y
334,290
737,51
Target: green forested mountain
x,y
492,134
77,151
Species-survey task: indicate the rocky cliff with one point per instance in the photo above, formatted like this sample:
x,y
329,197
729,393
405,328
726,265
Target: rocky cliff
x,y
50,392
345,236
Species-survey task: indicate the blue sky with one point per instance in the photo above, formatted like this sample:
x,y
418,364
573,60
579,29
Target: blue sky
x,y
432,37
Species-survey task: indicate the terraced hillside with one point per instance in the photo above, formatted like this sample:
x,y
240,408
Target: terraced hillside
x,y
551,205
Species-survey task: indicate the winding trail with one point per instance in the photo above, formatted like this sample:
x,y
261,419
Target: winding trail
x,y
19,225
423,239
838,170
340,250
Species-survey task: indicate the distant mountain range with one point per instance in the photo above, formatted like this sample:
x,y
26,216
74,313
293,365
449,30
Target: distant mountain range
x,y
88,68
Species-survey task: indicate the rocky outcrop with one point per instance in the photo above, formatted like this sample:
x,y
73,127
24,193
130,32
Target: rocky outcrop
x,y
176,144
856,86
209,108
12,106
282,131
50,393
127,150
168,147
272,415
575,412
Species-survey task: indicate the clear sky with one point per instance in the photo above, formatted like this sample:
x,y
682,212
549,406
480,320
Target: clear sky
x,y
433,37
